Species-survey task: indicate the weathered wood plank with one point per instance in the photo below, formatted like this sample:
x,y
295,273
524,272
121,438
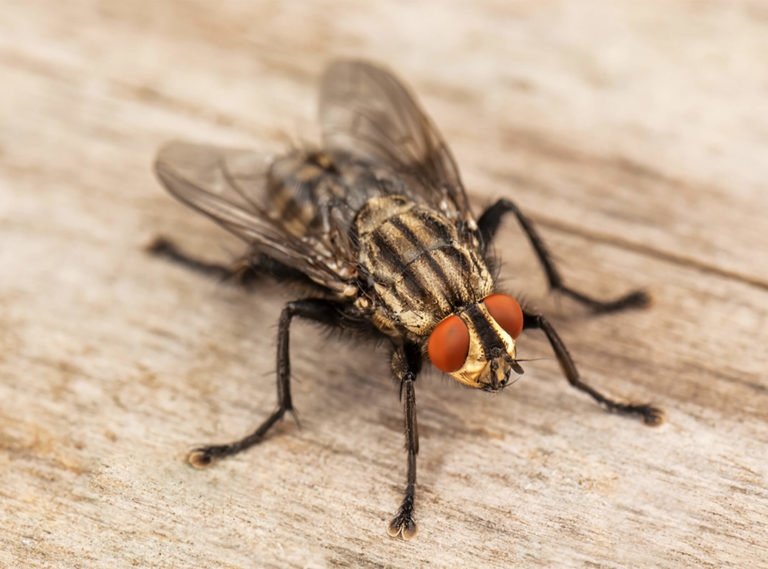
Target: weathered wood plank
x,y
634,135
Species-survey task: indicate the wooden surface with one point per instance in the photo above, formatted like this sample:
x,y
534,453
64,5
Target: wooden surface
x,y
634,133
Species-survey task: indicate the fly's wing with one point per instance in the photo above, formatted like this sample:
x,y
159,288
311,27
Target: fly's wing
x,y
366,112
228,185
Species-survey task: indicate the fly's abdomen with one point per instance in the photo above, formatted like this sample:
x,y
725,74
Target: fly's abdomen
x,y
300,186
314,194
418,265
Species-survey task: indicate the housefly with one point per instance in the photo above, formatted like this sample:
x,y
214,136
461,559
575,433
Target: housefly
x,y
376,226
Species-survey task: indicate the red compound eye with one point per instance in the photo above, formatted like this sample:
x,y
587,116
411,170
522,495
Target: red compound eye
x,y
507,312
449,344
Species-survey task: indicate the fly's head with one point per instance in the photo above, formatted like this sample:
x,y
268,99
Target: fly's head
x,y
476,345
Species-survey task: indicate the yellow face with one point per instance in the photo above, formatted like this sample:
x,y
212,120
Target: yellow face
x,y
482,370
476,346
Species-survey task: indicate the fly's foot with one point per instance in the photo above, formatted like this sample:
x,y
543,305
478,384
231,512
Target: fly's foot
x,y
403,525
162,246
652,416
636,299
203,456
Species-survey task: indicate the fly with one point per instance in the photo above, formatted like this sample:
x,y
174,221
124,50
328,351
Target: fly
x,y
377,228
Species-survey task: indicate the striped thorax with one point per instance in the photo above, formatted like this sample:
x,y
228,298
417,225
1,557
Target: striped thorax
x,y
420,271
417,267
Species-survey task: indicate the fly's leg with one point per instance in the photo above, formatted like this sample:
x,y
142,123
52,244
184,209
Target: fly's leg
x,y
243,273
406,363
652,416
319,310
402,524
489,224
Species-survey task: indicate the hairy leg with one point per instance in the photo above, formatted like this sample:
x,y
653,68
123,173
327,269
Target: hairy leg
x,y
489,223
652,416
319,310
406,364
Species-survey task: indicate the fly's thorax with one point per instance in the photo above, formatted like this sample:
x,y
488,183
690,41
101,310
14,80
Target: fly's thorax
x,y
419,266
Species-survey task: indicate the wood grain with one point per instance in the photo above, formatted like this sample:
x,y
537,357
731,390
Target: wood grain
x,y
633,133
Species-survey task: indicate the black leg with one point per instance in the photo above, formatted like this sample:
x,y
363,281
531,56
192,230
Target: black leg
x,y
652,416
319,310
406,363
488,224
243,273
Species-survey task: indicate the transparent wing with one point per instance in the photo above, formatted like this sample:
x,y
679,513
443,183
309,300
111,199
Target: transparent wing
x,y
228,185
367,112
